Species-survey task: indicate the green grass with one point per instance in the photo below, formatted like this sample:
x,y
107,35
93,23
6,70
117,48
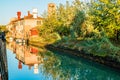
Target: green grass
x,y
99,47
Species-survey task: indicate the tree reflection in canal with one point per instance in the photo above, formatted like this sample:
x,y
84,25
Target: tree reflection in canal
x,y
66,67
55,65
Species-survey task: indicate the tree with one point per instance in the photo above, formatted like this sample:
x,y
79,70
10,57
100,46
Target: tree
x,y
66,14
78,18
3,28
106,14
67,21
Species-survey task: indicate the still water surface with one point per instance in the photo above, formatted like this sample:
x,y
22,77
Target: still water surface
x,y
32,63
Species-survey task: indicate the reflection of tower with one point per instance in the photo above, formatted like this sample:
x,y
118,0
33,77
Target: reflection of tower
x,y
36,69
51,8
35,13
20,65
14,47
29,67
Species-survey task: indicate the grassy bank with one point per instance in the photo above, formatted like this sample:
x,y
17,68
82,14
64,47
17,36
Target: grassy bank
x,y
44,40
100,50
97,47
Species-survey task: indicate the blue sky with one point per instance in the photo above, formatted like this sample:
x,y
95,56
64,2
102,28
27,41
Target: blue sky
x,y
8,8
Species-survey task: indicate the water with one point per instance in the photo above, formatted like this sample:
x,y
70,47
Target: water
x,y
32,63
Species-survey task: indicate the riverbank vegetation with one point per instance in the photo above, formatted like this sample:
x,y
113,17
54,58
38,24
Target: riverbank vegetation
x,y
92,27
2,28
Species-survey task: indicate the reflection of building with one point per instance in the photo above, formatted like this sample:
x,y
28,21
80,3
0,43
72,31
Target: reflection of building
x,y
28,55
36,69
11,46
23,28
20,65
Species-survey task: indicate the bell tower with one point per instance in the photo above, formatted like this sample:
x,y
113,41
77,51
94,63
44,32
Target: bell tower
x,y
51,9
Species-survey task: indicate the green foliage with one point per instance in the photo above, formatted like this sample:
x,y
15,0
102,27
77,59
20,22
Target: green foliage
x,y
67,20
77,22
84,27
2,28
65,16
105,14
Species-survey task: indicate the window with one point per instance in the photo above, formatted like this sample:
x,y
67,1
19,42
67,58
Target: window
x,y
39,22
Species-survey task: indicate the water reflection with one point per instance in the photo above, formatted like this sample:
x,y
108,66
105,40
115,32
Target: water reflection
x,y
66,67
52,65
27,55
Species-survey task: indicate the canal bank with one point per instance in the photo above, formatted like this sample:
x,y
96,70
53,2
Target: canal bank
x,y
102,60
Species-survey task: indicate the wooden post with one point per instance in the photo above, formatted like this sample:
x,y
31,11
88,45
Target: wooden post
x,y
3,58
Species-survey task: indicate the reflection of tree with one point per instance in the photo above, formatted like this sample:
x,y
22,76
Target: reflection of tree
x,y
61,67
51,64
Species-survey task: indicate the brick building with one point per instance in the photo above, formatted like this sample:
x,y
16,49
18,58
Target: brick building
x,y
22,29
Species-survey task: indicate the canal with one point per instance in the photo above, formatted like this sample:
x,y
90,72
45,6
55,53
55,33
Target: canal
x,y
32,63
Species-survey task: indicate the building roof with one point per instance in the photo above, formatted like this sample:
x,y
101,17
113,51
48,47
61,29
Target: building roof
x,y
29,16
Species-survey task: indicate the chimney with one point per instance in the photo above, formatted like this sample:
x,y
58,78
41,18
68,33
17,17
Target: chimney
x,y
35,13
19,15
28,13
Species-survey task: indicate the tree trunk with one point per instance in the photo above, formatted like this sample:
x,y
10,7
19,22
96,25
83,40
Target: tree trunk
x,y
117,35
